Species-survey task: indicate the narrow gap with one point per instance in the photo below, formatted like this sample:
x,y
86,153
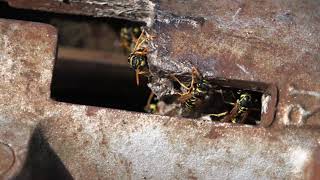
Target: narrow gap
x,y
233,91
226,100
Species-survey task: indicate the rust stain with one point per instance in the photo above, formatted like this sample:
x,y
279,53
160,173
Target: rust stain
x,y
92,111
75,132
104,141
191,175
213,134
312,171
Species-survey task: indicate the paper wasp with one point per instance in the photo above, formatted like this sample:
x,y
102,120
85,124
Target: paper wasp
x,y
138,57
196,93
189,98
200,89
240,110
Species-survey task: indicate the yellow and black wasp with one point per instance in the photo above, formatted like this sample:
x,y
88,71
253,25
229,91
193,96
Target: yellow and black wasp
x,y
138,56
240,110
196,93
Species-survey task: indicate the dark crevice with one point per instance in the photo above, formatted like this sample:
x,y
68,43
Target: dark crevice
x,y
98,84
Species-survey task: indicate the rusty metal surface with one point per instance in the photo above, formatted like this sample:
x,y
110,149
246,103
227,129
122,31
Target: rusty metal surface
x,y
271,42
141,10
93,143
26,59
64,141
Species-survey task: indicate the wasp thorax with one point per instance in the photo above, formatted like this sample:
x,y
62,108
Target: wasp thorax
x,y
137,61
203,85
245,100
202,88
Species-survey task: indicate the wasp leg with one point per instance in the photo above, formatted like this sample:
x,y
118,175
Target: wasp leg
x,y
137,41
180,83
138,72
232,114
194,73
143,52
219,115
137,76
138,44
189,89
231,103
143,72
185,95
149,37
144,39
234,120
147,107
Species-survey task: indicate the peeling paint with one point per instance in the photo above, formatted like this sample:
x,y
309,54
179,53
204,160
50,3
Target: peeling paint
x,y
265,99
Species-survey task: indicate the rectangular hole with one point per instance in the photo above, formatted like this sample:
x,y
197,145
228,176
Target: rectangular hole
x,y
221,103
91,68
264,99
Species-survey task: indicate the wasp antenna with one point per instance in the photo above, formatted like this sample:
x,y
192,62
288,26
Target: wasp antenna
x,y
139,39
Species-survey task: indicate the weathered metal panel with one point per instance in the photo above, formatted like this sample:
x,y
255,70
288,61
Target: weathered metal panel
x,y
271,42
57,140
141,10
27,52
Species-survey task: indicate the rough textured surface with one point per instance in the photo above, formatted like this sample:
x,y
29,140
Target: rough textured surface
x,y
135,10
26,60
72,141
272,42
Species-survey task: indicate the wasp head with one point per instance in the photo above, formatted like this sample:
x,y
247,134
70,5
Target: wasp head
x,y
245,100
137,61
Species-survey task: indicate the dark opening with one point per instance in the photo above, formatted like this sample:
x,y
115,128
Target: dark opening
x,y
224,100
231,98
91,68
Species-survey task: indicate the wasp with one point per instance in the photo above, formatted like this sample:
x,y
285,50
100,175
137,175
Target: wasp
x,y
196,92
128,37
240,110
200,91
138,57
188,97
